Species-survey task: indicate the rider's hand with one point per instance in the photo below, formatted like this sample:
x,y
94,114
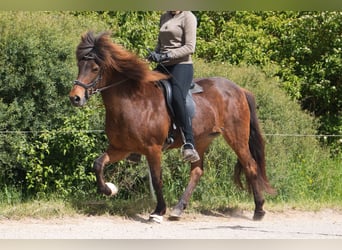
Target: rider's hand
x,y
158,57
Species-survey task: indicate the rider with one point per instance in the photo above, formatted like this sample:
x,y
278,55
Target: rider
x,y
176,43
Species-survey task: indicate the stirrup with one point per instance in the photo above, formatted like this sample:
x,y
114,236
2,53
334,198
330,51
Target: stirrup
x,y
187,144
190,154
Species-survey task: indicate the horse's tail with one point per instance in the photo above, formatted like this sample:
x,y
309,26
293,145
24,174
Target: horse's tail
x,y
257,149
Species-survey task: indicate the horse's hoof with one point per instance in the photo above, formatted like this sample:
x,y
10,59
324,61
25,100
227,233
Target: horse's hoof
x,y
176,214
113,189
259,215
156,218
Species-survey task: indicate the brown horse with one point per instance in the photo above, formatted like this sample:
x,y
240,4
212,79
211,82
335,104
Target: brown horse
x,y
138,120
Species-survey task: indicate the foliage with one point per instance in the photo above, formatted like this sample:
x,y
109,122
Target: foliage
x,y
135,30
60,161
37,66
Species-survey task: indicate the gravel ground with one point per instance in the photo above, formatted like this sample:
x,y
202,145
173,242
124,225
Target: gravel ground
x,y
325,224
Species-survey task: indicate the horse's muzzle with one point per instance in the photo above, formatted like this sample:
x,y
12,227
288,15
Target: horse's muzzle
x,y
77,100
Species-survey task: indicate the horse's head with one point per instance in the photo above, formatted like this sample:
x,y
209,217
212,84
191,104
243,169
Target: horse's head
x,y
96,55
89,74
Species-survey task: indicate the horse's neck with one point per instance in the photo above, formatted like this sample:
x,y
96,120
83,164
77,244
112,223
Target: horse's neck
x,y
131,94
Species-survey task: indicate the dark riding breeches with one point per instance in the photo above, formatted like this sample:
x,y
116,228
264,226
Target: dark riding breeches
x,y
181,78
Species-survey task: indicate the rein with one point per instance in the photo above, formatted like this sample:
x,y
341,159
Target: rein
x,y
109,86
92,85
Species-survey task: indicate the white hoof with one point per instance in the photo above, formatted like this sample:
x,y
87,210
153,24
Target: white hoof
x,y
156,218
113,188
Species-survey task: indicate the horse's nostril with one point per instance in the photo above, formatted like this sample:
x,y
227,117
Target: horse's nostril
x,y
77,99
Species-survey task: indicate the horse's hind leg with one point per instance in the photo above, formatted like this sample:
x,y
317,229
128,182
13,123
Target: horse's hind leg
x,y
248,165
195,175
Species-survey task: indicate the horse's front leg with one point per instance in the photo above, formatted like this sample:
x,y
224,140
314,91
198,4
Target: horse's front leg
x,y
110,156
154,162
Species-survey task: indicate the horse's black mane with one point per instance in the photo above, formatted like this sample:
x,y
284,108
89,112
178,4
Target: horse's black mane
x,y
113,56
89,47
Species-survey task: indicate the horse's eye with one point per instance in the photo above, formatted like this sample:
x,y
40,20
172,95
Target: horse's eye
x,y
96,69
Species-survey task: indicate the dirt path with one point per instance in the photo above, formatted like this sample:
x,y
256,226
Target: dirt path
x,y
326,224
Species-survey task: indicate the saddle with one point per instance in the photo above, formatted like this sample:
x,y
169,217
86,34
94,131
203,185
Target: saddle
x,y
165,85
189,103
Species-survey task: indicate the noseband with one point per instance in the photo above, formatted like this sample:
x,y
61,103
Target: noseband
x,y
90,86
93,84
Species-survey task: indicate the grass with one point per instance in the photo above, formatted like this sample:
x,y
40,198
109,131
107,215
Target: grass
x,y
37,209
59,208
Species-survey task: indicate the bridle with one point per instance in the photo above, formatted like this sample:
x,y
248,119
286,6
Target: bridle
x,y
92,85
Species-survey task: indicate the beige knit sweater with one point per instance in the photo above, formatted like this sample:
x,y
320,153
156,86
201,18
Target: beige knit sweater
x,y
177,37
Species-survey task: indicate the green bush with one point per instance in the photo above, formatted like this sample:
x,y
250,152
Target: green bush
x,y
37,66
60,161
135,30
